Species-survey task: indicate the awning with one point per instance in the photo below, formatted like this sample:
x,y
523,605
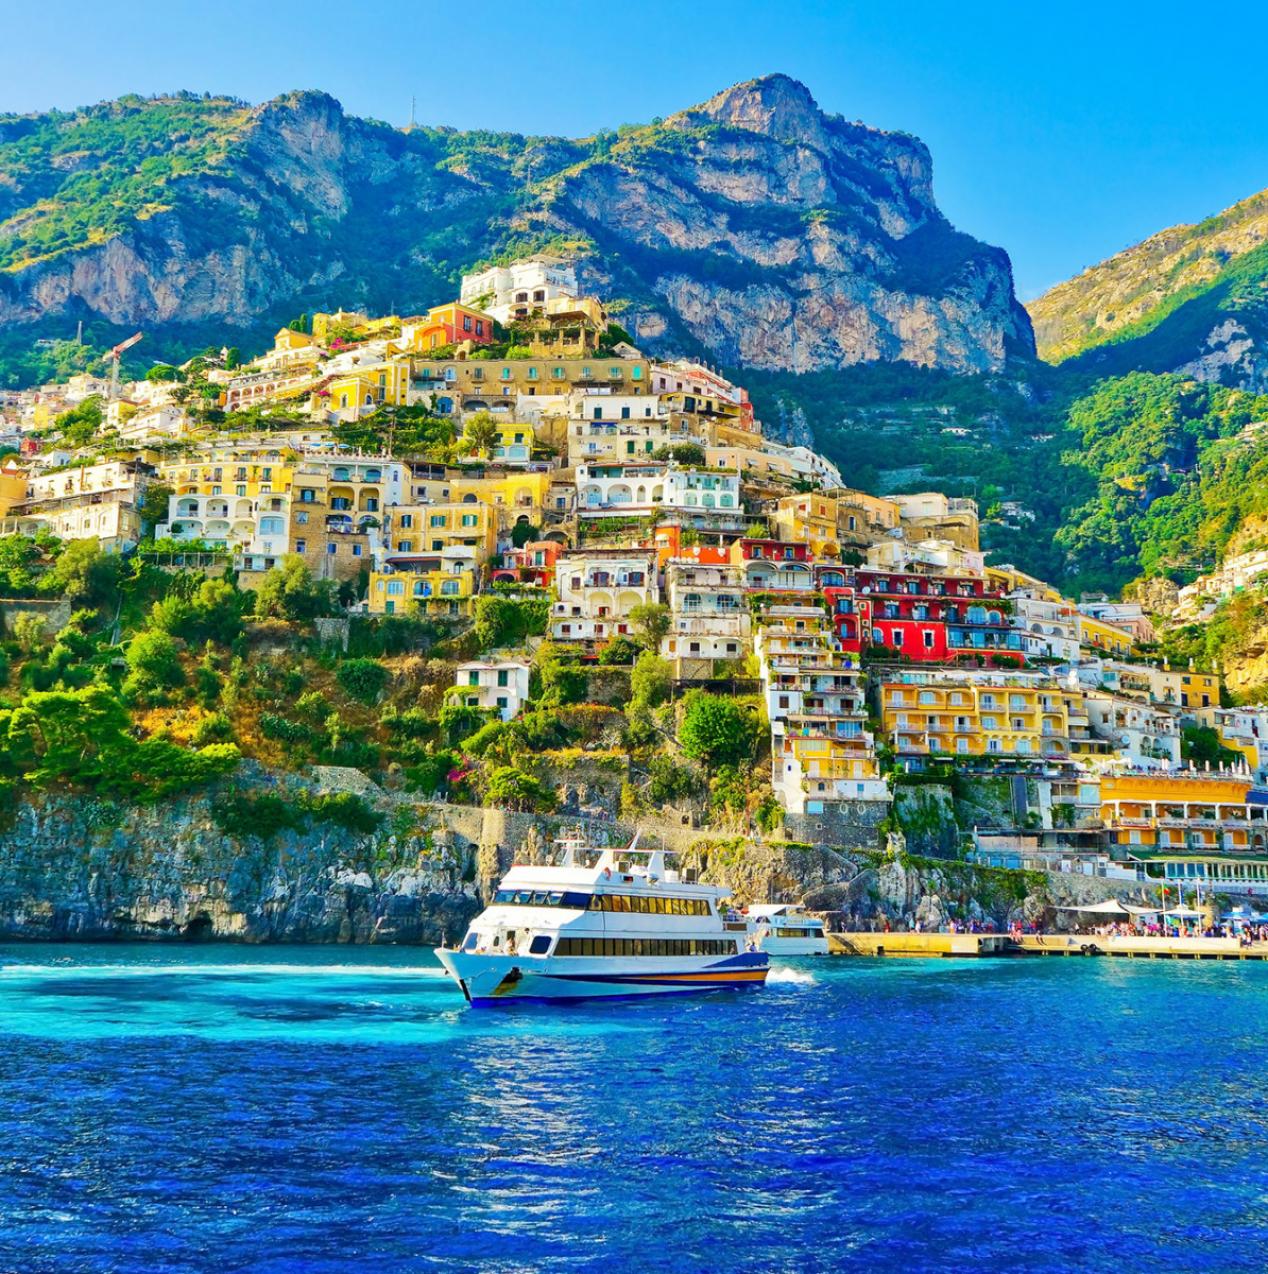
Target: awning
x,y
1183,913
1143,911
1110,907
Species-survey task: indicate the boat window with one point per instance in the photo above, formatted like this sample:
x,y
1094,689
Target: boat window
x,y
470,943
543,898
642,905
539,945
644,946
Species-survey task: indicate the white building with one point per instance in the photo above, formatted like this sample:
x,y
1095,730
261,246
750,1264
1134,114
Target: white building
x,y
1141,735
494,683
1051,629
520,289
822,754
154,422
254,527
97,501
598,588
709,619
641,488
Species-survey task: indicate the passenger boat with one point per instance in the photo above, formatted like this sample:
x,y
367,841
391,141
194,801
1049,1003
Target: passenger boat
x,y
602,924
786,929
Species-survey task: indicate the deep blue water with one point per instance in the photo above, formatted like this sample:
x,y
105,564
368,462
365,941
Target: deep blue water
x,y
328,1109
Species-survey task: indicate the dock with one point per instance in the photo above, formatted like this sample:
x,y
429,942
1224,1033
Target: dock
x,y
987,945
923,945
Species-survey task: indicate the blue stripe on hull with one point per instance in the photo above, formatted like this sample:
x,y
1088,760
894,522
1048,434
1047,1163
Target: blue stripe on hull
x,y
489,1002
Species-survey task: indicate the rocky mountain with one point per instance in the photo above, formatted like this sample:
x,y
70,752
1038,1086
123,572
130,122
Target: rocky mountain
x,y
753,228
1188,299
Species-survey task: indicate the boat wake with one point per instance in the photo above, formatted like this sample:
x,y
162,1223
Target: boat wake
x,y
797,977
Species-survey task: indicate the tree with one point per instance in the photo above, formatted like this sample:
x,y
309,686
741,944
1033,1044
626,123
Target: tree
x,y
83,574
212,613
512,788
504,621
233,358
362,679
524,533
650,680
28,632
290,592
620,650
651,622
688,453
716,730
161,373
80,424
153,664
480,434
154,507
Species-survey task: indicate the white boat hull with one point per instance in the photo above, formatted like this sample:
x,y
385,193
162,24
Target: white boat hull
x,y
487,979
778,948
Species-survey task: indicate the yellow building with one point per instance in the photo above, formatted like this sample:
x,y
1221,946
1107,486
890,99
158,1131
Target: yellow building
x,y
564,327
438,584
287,339
12,484
930,515
468,384
1190,827
975,714
326,326
1008,579
1096,634
227,471
1185,688
829,520
364,391
433,528
513,496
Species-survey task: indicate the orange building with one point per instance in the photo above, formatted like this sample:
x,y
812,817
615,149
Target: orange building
x,y
447,325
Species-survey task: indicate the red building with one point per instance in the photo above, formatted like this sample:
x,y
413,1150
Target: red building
x,y
533,565
924,618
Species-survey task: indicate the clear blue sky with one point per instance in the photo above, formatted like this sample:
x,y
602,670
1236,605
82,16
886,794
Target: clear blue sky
x,y
1061,132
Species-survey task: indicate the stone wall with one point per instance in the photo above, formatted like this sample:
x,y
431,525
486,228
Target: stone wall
x,y
849,825
54,614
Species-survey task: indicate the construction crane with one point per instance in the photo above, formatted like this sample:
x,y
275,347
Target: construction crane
x,y
114,363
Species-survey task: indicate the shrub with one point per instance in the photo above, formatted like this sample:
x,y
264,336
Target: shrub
x,y
717,730
512,788
362,679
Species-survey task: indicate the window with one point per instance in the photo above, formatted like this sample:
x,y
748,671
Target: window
x,y
407,521
301,546
356,550
503,676
302,519
331,549
539,945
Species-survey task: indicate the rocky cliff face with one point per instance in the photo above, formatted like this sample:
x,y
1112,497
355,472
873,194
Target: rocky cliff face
x,y
1188,299
753,228
75,868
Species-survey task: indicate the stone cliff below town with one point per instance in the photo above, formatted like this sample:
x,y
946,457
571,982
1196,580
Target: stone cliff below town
x,y
76,868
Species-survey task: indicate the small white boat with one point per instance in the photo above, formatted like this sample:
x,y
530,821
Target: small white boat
x,y
786,929
602,924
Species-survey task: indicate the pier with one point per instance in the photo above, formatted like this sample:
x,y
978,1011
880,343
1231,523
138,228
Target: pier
x,y
984,945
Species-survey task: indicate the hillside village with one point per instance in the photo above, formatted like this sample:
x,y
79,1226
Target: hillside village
x,y
495,553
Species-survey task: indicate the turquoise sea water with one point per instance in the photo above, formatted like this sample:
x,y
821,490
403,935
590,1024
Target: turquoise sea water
x,y
281,1109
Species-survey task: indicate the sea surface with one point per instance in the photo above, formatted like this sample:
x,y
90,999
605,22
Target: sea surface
x,y
325,1109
